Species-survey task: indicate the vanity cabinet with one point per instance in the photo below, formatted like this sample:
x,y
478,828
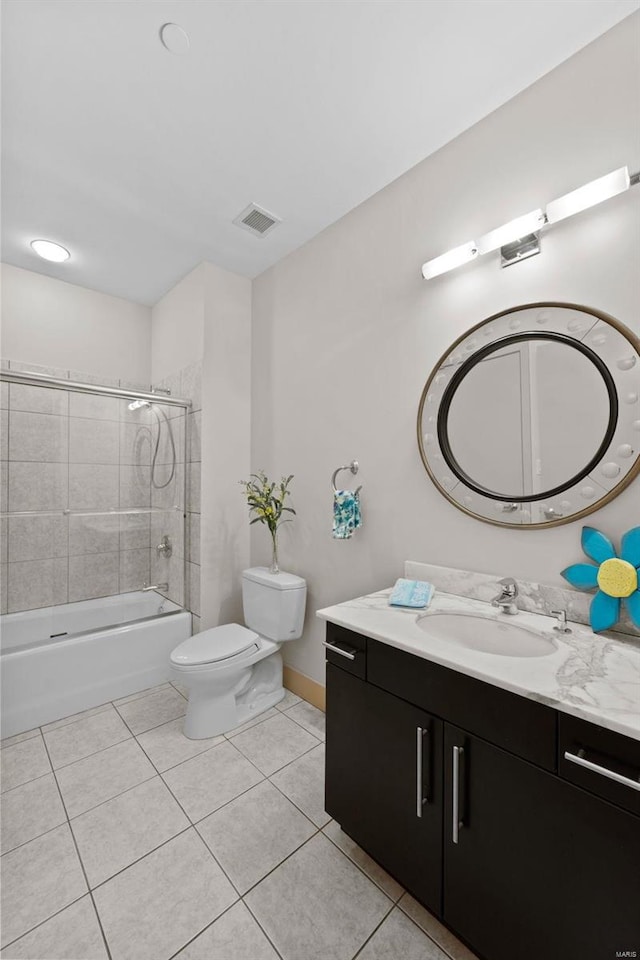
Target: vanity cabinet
x,y
515,851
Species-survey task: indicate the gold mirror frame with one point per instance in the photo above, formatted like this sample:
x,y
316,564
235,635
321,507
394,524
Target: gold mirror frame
x,y
576,326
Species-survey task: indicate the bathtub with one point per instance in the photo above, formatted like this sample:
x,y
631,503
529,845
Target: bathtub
x,y
59,660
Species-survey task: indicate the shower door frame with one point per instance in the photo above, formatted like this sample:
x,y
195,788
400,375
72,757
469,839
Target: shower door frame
x,y
77,386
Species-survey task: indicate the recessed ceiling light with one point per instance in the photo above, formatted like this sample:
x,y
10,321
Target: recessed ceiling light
x,y
49,250
174,39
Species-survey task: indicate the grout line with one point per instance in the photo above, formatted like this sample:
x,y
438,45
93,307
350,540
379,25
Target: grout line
x,y
373,932
62,766
77,849
41,923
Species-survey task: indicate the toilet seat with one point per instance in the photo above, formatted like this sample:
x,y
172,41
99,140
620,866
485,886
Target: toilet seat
x,y
215,645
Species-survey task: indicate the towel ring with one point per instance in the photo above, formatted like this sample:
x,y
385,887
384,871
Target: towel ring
x,y
354,466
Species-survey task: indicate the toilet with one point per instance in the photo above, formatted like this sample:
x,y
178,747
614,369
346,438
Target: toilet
x,y
234,673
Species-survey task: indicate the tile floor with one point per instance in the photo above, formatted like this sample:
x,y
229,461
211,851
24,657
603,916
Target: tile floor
x,y
122,839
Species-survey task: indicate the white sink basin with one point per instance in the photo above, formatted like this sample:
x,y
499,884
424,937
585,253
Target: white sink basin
x,y
504,638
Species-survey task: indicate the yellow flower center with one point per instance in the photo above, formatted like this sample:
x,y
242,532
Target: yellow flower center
x,y
617,578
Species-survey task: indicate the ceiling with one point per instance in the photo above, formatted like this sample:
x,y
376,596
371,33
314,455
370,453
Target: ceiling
x,y
138,160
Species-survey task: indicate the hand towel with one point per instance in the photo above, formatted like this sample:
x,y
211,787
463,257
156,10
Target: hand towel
x,y
411,593
346,514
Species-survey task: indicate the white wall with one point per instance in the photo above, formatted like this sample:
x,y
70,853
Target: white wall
x,y
178,326
206,319
57,324
345,331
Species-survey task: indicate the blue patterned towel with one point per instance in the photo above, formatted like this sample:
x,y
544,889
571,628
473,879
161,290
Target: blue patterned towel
x,y
346,514
411,593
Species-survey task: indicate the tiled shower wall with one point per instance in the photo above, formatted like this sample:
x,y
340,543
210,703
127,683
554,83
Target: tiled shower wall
x,y
85,452
187,384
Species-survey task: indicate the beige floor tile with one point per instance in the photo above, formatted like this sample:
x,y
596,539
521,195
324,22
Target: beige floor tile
x,y
39,879
30,810
141,693
65,721
86,783
234,936
434,929
151,711
167,745
372,869
113,835
22,762
288,700
272,712
274,743
73,934
308,717
155,907
303,783
85,737
254,833
210,780
19,737
317,904
400,937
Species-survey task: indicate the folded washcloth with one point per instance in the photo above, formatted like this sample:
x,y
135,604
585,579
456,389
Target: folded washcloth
x,y
411,593
346,514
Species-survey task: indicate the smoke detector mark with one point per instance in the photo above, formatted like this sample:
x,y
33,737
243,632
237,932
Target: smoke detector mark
x,y
257,220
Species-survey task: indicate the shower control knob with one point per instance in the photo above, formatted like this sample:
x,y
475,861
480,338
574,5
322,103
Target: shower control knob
x,y
165,548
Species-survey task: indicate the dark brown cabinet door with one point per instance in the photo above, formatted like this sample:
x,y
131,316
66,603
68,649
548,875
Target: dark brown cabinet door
x,y
535,867
384,781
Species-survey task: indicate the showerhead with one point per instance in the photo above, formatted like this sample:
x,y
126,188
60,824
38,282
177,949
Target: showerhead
x,y
136,404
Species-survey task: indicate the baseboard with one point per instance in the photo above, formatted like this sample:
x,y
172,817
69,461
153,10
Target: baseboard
x,y
310,690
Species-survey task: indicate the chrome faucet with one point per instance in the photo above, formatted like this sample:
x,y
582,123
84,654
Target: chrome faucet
x,y
506,599
155,586
561,625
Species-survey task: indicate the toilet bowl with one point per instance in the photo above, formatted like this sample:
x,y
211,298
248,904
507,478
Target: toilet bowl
x,y
234,673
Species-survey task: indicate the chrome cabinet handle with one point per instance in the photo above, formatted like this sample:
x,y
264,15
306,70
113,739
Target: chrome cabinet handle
x,y
603,771
343,653
421,733
457,822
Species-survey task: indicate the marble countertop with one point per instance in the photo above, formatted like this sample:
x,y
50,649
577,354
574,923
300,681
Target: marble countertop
x,y
589,676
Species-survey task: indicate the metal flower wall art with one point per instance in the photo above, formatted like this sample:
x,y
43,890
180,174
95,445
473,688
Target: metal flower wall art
x,y
616,577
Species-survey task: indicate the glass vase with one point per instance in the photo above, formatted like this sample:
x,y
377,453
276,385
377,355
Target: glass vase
x,y
274,568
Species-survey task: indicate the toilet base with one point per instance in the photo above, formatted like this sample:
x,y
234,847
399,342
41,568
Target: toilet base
x,y
212,712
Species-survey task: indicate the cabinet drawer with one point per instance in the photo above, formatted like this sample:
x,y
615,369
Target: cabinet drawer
x,y
347,650
595,758
514,723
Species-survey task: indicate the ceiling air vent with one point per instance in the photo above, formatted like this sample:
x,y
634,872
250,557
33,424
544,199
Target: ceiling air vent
x,y
257,220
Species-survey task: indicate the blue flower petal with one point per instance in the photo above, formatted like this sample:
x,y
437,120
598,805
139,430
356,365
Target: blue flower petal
x,y
596,546
604,611
633,606
581,575
630,550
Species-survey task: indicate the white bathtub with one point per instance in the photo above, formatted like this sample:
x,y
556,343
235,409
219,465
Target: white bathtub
x,y
59,660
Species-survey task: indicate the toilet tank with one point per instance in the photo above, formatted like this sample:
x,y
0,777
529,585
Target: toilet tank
x,y
273,603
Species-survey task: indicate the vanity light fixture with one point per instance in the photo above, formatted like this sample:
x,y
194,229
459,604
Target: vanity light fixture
x,y
449,260
520,238
49,250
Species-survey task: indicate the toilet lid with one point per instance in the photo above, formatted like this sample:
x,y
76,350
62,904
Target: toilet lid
x,y
218,643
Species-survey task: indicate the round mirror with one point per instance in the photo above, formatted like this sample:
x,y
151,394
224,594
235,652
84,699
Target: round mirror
x,y
533,416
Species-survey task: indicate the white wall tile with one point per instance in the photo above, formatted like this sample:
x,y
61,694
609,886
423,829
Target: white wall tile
x,y
36,583
4,434
38,486
134,487
135,443
194,431
135,531
93,406
4,486
99,534
93,576
91,442
134,569
193,576
193,521
38,436
38,399
4,394
93,487
37,538
193,487
172,494
167,430
4,569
